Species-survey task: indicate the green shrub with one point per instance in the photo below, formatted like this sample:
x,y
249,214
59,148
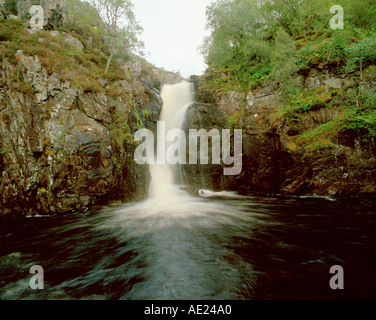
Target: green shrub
x,y
323,136
236,120
361,54
331,47
304,101
120,131
146,113
361,117
87,83
11,29
10,7
42,191
114,90
8,51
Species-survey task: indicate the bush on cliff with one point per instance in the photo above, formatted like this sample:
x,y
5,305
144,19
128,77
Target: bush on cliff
x,y
253,43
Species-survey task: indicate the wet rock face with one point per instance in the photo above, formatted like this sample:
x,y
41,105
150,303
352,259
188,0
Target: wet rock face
x,y
209,176
343,171
146,112
57,151
260,160
261,165
271,164
87,168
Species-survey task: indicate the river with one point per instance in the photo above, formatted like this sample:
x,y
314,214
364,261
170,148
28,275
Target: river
x,y
219,247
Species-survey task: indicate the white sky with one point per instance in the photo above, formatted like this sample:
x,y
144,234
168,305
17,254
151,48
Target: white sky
x,y
173,30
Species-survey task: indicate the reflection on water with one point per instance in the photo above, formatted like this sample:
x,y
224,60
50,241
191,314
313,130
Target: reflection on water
x,y
221,246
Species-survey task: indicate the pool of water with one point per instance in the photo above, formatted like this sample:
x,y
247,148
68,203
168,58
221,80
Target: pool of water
x,y
220,246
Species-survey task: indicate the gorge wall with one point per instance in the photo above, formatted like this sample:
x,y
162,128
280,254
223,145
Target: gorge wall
x,y
273,159
60,147
66,129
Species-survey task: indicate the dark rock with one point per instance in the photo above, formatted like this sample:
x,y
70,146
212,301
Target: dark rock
x,y
57,151
260,161
190,190
272,163
210,176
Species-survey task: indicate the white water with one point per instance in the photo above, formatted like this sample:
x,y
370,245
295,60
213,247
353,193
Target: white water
x,y
176,99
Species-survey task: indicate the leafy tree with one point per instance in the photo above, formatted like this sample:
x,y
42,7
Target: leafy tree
x,y
237,40
297,17
252,40
10,7
283,60
122,28
233,25
362,54
255,40
361,12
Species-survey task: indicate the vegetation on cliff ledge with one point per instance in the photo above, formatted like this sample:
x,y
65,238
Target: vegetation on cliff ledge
x,y
253,43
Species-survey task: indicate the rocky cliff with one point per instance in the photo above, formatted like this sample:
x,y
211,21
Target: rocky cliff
x,y
288,153
66,129
58,153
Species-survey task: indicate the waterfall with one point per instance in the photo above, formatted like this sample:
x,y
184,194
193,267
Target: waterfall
x,y
176,99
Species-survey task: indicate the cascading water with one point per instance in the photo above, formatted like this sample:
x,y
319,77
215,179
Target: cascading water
x,y
176,99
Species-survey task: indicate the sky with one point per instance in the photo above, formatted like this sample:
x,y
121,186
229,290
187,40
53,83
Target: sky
x,y
173,30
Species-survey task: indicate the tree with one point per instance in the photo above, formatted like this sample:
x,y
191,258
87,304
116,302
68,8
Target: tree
x,y
233,24
283,61
361,12
238,41
122,28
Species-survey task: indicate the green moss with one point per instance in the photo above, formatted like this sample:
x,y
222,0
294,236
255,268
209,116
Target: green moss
x,y
323,136
82,68
140,124
305,100
116,163
42,191
146,113
235,121
120,131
